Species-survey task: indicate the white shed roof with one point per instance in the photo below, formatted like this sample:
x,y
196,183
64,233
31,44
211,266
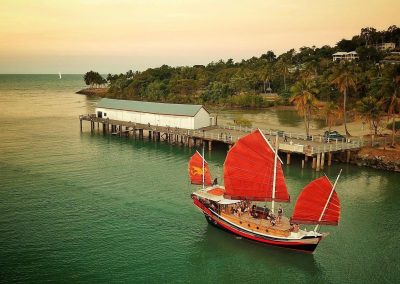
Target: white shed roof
x,y
150,107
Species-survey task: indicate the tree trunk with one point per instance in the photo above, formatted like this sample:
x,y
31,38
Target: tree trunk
x,y
393,129
375,124
344,113
284,81
306,122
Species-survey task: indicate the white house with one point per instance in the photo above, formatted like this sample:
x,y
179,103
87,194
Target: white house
x,y
348,56
385,46
159,114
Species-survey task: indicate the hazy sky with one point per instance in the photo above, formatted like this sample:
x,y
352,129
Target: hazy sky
x,y
71,36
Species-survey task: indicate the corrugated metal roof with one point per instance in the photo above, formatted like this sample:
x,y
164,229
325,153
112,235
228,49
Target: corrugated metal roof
x,y
340,53
150,107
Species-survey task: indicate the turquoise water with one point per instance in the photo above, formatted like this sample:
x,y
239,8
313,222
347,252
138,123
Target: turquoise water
x,y
81,207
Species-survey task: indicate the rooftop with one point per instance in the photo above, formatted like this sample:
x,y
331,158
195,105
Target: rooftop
x,y
344,53
150,107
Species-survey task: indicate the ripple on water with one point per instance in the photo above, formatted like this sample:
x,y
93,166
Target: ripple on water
x,y
91,208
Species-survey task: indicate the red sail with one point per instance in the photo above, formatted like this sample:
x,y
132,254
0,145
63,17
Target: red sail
x,y
196,170
249,171
311,203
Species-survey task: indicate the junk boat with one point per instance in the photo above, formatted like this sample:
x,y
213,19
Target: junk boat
x,y
253,176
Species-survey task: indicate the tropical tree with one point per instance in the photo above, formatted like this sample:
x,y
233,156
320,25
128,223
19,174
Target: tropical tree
x,y
392,104
269,56
94,78
283,69
393,109
332,113
267,78
343,78
370,110
303,97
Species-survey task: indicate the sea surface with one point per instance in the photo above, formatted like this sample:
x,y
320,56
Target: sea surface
x,y
82,207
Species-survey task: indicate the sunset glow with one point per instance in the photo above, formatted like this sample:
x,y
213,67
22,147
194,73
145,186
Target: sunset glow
x,y
117,35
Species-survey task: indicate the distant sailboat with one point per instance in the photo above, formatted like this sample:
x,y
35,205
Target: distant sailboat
x,y
59,74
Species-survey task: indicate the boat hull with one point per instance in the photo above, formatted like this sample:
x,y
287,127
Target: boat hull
x,y
307,244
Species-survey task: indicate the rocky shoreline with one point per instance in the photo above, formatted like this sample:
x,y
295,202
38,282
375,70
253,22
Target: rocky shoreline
x,y
382,159
101,92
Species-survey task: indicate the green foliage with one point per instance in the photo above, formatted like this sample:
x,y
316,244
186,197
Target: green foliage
x,y
396,125
370,110
347,45
93,78
369,54
304,92
247,100
217,92
241,84
239,120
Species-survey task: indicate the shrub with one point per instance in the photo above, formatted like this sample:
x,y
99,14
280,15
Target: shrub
x,y
390,125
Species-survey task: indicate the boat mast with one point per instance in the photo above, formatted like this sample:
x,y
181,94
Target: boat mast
x,y
274,181
327,202
203,166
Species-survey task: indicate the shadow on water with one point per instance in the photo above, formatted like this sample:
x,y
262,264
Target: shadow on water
x,y
288,117
249,259
211,254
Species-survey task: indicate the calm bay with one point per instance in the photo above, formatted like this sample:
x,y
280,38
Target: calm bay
x,y
82,207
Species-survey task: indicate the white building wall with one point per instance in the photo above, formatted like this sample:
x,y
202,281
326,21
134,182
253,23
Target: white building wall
x,y
179,121
202,119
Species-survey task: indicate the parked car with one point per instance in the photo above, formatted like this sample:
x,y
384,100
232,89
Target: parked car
x,y
280,133
333,135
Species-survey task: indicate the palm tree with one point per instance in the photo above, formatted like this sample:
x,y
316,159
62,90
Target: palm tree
x,y
392,104
344,79
332,113
283,68
393,110
304,99
267,76
370,109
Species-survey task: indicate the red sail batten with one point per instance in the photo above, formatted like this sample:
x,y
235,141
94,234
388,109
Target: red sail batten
x,y
249,170
311,202
196,170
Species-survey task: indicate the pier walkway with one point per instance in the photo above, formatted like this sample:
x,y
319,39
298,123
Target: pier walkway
x,y
315,147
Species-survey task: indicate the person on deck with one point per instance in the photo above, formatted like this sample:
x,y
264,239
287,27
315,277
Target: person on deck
x,y
280,213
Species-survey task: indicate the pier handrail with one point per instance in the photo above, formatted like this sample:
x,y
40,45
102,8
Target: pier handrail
x,y
300,143
298,136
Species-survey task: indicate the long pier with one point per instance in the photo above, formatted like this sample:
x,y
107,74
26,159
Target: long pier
x,y
314,147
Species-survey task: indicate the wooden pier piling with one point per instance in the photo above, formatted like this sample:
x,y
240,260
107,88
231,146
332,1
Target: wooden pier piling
x,y
348,153
316,149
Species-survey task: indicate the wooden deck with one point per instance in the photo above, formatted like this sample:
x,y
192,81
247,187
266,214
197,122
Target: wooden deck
x,y
314,147
264,226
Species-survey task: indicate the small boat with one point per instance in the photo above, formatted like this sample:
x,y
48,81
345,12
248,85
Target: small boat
x,y
253,175
59,75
